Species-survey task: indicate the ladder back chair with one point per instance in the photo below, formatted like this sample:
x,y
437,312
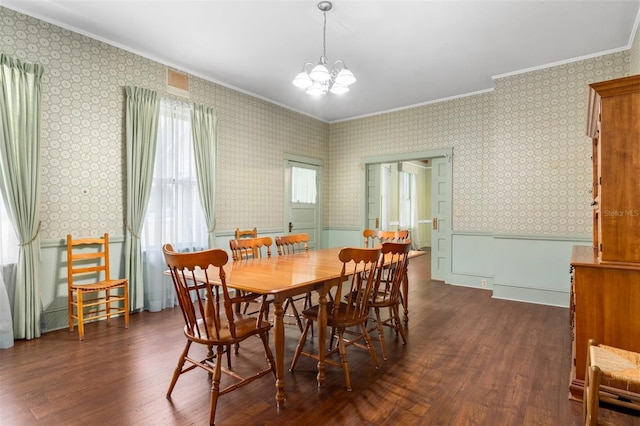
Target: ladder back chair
x,y
359,266
289,244
386,291
210,320
89,283
373,237
612,376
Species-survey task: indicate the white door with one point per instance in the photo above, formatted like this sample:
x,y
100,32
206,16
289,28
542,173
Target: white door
x,y
441,226
374,185
302,200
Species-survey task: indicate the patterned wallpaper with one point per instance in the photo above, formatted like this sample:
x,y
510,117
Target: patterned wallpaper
x,y
83,149
520,165
541,170
521,160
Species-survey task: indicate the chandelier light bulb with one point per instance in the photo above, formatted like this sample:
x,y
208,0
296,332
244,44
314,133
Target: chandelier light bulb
x,y
302,80
317,89
320,72
345,77
323,79
338,89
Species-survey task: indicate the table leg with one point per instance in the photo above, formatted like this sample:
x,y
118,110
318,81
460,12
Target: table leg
x,y
278,337
322,334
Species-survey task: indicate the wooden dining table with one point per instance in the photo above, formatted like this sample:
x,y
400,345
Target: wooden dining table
x,y
282,277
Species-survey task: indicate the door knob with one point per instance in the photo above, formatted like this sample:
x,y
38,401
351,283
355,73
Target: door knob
x,y
290,226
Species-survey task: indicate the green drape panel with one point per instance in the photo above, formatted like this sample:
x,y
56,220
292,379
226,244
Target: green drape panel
x,y
20,104
142,112
205,142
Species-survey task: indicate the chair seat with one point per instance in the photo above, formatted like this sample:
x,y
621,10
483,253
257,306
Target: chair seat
x,y
245,326
338,319
620,369
102,285
382,299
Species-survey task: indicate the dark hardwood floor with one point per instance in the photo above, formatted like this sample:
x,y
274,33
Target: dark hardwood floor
x,y
470,360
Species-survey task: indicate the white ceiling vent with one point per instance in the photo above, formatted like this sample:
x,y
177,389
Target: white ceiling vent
x,y
177,83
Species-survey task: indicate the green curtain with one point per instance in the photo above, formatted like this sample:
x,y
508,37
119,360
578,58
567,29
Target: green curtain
x,y
205,141
20,105
142,113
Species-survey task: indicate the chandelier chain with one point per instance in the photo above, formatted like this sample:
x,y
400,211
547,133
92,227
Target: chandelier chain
x,y
324,37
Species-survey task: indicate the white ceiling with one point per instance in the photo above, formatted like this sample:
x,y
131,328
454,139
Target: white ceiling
x,y
403,53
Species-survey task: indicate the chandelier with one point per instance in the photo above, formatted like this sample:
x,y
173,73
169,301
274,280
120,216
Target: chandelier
x,y
320,79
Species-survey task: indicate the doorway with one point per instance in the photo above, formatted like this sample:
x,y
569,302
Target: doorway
x,y
303,197
400,198
413,191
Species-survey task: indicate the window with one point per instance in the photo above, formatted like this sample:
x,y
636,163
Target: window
x,y
303,185
174,214
8,238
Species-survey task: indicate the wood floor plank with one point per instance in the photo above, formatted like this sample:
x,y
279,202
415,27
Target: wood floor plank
x,y
470,360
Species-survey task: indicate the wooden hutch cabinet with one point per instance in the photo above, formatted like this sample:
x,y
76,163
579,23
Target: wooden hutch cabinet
x,y
605,282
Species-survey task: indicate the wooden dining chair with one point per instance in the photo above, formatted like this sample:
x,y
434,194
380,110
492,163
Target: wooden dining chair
x,y
386,292
613,377
359,266
89,284
211,321
289,244
246,233
373,237
248,248
251,248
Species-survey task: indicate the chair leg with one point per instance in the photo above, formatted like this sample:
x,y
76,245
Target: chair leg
x,y
372,351
381,334
268,353
215,385
303,338
178,370
210,358
70,310
398,324
307,304
107,304
592,396
343,358
80,312
295,312
126,305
